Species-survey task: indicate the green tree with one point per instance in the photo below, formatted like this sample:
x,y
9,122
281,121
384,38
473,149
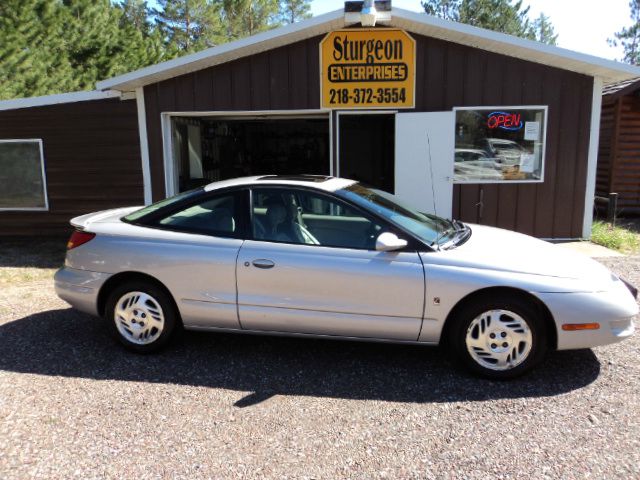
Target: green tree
x,y
629,37
506,16
143,43
33,57
446,9
543,30
190,25
243,18
499,15
292,11
95,46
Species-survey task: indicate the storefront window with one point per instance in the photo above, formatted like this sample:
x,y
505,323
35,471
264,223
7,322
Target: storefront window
x,y
502,144
22,185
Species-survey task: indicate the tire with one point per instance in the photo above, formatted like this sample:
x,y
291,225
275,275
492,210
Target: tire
x,y
519,340
142,316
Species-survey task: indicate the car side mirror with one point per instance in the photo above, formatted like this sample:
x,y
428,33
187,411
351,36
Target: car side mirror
x,y
388,242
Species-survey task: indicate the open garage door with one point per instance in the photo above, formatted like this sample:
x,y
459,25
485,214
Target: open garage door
x,y
208,148
424,155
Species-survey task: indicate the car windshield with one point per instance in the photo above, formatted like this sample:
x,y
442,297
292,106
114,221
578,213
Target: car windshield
x,y
138,214
430,229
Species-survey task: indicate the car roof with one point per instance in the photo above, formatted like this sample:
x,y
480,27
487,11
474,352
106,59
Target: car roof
x,y
328,184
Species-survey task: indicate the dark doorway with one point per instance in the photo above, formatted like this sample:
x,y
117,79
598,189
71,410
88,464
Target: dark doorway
x,y
366,149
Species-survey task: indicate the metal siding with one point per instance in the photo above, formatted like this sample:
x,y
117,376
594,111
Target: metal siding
x,y
447,75
92,161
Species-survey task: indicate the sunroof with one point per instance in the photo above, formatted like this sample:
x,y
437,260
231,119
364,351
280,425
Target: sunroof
x,y
297,178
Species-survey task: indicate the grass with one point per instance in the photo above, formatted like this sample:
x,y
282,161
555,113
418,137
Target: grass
x,y
615,237
24,260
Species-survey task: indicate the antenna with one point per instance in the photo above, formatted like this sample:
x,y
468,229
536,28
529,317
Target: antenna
x,y
433,188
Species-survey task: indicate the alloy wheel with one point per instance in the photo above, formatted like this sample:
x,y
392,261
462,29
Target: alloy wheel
x,y
139,318
499,340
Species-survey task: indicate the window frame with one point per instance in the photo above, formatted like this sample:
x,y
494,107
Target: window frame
x,y
43,172
413,244
152,220
505,107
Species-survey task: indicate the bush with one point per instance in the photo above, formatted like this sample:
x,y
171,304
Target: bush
x,y
617,238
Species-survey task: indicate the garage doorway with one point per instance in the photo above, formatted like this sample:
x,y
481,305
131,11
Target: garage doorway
x,y
207,148
366,148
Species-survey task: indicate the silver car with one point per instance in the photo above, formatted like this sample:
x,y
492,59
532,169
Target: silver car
x,y
328,257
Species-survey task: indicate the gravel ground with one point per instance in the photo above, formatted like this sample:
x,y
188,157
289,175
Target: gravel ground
x,y
74,404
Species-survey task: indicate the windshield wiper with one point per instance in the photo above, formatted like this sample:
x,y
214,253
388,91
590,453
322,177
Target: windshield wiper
x,y
456,227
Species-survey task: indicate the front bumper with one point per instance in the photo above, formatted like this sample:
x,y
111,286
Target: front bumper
x,y
80,288
613,309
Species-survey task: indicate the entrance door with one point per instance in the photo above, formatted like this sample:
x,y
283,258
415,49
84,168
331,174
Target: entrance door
x,y
424,153
365,148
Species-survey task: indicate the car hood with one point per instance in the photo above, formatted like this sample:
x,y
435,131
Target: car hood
x,y
502,250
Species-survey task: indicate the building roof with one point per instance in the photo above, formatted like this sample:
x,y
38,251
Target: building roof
x,y
621,88
57,99
419,23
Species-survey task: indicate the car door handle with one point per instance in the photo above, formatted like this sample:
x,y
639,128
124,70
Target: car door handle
x,y
263,263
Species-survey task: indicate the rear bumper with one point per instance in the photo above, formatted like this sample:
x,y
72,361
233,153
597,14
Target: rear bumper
x,y
614,310
80,288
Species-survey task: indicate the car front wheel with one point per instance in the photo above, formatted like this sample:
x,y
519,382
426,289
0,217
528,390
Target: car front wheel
x,y
141,316
499,338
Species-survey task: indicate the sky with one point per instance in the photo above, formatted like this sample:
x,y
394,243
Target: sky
x,y
582,25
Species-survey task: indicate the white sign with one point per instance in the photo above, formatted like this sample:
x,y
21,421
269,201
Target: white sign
x,y
527,162
532,131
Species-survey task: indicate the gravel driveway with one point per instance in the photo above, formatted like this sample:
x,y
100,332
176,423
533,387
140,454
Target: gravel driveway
x,y
74,404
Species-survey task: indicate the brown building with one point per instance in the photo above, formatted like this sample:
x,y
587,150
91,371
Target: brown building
x,y
65,155
619,153
462,121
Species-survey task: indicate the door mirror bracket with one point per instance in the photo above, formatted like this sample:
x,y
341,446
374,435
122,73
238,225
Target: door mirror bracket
x,y
389,242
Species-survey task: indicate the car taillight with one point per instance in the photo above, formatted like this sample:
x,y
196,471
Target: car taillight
x,y
78,238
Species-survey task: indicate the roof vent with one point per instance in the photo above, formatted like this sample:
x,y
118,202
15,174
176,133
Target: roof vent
x,y
367,12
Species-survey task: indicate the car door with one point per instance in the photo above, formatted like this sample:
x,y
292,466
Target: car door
x,y
312,268
192,250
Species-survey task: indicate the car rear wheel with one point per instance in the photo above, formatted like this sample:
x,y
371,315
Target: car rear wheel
x,y
141,315
499,338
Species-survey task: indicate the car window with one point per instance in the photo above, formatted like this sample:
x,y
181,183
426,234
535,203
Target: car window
x,y
212,216
137,215
309,218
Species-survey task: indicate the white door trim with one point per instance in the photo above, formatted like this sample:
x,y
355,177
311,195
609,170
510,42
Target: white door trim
x,y
592,162
144,145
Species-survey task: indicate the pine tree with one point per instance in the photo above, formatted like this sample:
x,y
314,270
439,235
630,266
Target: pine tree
x,y
629,37
190,25
33,58
136,13
499,15
446,9
143,44
543,30
243,18
95,47
506,16
292,11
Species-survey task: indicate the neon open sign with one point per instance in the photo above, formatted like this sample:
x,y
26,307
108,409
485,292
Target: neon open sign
x,y
511,122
